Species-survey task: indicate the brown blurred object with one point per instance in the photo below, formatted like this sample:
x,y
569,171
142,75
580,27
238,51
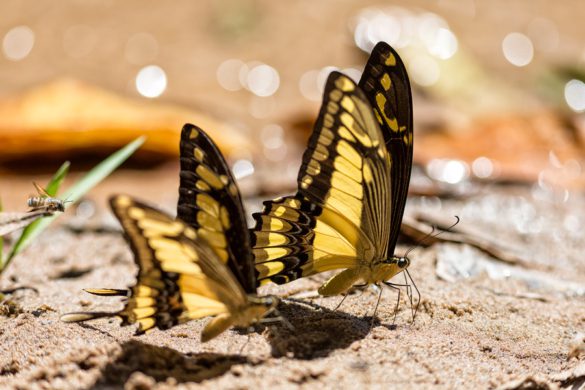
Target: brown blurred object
x,y
69,117
577,348
523,148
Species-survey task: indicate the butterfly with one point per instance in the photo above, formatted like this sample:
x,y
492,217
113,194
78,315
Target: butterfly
x,y
197,265
352,186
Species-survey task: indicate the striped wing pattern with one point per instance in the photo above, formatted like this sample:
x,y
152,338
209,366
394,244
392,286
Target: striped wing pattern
x,y
340,214
179,276
386,85
197,265
210,202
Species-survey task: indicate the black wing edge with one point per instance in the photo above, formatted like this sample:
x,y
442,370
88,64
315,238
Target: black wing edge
x,y
171,290
240,261
399,106
321,190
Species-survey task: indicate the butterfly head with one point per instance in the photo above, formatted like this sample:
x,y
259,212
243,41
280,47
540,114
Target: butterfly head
x,y
270,302
402,262
267,312
261,307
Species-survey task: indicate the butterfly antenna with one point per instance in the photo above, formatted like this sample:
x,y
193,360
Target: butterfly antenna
x,y
430,235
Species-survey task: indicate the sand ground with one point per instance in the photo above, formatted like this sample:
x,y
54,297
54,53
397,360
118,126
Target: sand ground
x,y
475,332
478,332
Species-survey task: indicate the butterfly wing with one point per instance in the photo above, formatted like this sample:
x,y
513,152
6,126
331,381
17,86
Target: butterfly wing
x,y
295,237
210,202
386,85
343,206
180,277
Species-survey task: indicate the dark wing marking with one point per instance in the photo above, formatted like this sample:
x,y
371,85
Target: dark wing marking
x,y
210,202
346,167
386,85
179,278
283,239
340,214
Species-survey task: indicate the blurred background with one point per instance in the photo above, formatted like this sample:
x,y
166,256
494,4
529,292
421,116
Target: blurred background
x,y
498,88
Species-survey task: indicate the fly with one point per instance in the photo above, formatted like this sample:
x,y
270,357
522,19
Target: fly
x,y
45,201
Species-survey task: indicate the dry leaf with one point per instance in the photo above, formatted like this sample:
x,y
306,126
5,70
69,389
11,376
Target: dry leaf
x,y
70,116
522,147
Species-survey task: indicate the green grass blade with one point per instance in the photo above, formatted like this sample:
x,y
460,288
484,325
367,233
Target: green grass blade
x,y
101,171
76,192
52,188
55,182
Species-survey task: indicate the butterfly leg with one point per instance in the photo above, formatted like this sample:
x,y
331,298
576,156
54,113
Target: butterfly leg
x,y
409,294
397,300
249,335
376,308
345,296
340,302
410,298
279,318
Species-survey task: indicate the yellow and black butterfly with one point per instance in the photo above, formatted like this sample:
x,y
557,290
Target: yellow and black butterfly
x,y
352,185
198,265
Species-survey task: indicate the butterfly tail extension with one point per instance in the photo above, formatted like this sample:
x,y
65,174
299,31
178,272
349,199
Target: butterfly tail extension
x,y
109,292
87,316
82,316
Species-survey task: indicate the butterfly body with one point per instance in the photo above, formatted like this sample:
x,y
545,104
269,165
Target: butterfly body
x,y
255,309
366,273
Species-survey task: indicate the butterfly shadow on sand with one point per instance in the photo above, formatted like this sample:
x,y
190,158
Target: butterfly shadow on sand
x,y
163,363
317,332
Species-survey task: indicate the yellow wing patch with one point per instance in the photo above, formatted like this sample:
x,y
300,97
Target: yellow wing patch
x,y
339,217
195,266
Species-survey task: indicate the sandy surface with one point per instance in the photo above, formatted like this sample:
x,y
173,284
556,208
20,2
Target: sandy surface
x,y
478,332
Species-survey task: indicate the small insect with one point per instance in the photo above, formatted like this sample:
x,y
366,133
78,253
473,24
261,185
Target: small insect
x,y
45,201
